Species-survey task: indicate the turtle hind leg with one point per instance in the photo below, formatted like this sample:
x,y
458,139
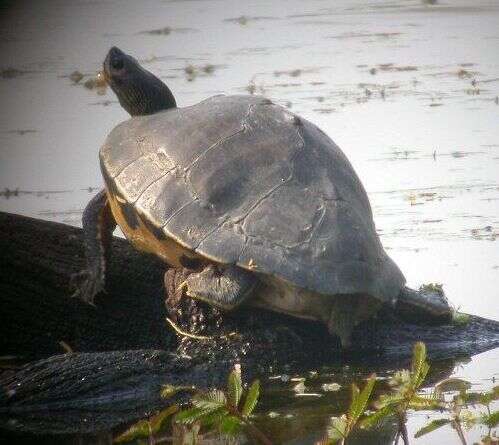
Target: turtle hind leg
x,y
98,227
225,288
346,312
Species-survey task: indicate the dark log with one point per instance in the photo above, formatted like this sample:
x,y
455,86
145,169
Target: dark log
x,y
38,319
37,259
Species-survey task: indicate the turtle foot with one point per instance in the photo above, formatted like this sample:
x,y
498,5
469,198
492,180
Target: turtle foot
x,y
225,288
188,314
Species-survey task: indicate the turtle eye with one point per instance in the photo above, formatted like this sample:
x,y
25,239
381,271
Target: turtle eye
x,y
117,63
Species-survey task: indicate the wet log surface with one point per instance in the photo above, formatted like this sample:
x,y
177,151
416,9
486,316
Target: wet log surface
x,y
92,389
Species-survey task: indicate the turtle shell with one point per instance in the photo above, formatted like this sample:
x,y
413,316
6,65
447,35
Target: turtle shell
x,y
240,180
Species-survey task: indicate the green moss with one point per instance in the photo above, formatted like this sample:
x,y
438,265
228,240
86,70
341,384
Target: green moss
x,y
460,318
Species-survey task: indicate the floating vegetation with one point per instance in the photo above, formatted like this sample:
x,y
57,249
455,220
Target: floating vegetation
x,y
356,35
8,193
244,20
253,88
371,90
104,103
291,73
473,91
159,32
96,82
208,68
390,67
324,110
331,387
11,73
464,74
485,233
166,31
76,76
21,132
193,71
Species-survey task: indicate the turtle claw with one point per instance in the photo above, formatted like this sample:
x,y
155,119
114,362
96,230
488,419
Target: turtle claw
x,y
87,285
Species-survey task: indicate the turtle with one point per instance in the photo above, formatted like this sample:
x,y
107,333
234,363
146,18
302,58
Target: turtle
x,y
261,200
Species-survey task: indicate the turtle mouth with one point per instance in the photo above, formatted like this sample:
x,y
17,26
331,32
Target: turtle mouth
x,y
114,63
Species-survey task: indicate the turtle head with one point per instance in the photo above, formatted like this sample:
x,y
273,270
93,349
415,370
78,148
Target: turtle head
x,y
139,91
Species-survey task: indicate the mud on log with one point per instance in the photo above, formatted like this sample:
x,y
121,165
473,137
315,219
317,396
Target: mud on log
x,y
39,319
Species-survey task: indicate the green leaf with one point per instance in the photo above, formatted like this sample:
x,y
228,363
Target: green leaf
x,y
419,367
400,378
419,402
355,394
170,390
491,420
186,434
158,420
360,399
337,429
474,398
189,416
391,400
251,398
235,388
483,398
209,401
417,382
432,426
452,384
146,427
230,425
376,419
138,430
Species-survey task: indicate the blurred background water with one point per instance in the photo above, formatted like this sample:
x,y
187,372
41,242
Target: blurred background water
x,y
408,89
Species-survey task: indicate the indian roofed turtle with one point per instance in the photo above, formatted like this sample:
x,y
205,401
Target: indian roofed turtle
x,y
262,199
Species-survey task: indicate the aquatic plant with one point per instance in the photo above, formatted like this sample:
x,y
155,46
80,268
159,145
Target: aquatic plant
x,y
228,413
341,427
225,411
405,395
458,417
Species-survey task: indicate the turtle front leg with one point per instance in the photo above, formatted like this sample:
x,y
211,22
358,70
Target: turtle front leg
x,y
98,227
225,287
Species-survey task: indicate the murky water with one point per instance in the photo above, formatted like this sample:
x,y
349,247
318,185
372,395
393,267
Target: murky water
x,y
408,90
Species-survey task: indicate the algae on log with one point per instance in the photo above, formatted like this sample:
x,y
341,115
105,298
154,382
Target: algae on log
x,y
38,319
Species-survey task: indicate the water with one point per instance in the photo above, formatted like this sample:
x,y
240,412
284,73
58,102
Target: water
x,y
408,90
